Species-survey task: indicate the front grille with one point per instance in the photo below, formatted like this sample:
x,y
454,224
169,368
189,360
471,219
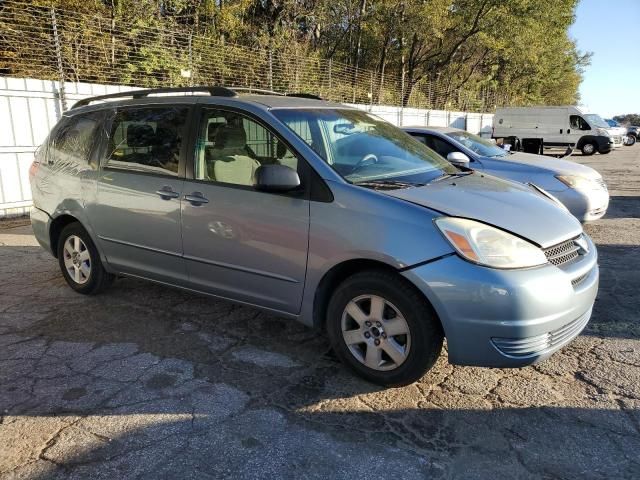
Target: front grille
x,y
531,346
563,253
617,139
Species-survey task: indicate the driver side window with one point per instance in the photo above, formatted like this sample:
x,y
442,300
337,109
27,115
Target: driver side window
x,y
578,123
147,139
231,147
441,147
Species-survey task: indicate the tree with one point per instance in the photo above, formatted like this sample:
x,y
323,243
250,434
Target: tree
x,y
438,53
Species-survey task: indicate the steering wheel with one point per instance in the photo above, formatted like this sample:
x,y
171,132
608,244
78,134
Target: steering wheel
x,y
370,157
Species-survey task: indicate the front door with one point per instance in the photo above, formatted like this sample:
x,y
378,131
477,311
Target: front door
x,y
137,212
578,127
240,243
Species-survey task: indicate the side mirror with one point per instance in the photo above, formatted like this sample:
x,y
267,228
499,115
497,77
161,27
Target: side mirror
x,y
459,159
276,178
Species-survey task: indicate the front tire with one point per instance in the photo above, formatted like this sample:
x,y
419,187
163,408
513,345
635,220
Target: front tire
x,y
631,140
80,262
588,149
382,328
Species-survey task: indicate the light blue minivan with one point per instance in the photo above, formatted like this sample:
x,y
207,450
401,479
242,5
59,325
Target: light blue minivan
x,y
317,212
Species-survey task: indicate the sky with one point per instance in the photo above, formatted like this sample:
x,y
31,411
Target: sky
x,y
611,30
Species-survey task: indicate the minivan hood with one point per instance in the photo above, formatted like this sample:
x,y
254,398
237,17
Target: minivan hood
x,y
508,205
555,165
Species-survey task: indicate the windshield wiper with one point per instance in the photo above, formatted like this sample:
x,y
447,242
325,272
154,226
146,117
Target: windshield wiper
x,y
391,184
445,176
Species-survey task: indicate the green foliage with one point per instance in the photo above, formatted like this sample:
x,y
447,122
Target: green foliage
x,y
472,54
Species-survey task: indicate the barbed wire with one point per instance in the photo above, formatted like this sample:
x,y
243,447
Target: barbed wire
x,y
57,44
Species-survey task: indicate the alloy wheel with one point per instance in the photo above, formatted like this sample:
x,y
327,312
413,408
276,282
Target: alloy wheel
x,y
77,259
375,332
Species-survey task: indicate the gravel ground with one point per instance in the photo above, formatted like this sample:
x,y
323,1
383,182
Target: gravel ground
x,y
145,381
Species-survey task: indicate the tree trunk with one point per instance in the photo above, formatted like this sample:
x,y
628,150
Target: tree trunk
x,y
382,64
356,51
113,35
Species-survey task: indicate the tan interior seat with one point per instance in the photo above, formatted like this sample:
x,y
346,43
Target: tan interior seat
x,y
231,164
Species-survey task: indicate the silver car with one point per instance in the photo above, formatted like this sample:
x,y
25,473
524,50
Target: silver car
x,y
317,212
580,188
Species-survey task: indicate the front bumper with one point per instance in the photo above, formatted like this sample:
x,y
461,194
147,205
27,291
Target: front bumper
x,y
585,205
618,141
605,143
508,318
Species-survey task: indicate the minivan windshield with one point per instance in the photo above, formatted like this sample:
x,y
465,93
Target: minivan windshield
x,y
477,144
363,148
596,120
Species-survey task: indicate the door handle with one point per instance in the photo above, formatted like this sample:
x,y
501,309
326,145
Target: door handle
x,y
166,193
196,199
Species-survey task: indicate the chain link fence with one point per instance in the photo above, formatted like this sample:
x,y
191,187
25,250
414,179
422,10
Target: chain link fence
x,y
56,44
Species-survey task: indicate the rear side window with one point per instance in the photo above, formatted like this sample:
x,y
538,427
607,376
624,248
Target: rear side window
x,y
75,138
147,139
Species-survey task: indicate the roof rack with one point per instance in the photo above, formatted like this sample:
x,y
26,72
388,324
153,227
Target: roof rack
x,y
304,95
213,91
280,94
216,91
262,91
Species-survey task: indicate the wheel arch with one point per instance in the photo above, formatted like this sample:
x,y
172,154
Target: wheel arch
x,y
587,139
56,227
341,271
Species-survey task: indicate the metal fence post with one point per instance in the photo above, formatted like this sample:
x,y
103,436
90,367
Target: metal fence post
x,y
58,52
270,68
191,72
330,73
371,94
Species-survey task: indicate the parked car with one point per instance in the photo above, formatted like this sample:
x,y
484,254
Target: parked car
x,y
317,212
536,128
616,129
580,188
630,133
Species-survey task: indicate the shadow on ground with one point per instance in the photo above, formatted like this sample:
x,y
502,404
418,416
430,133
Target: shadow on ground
x,y
623,207
154,382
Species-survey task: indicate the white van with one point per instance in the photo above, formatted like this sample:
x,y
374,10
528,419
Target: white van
x,y
535,128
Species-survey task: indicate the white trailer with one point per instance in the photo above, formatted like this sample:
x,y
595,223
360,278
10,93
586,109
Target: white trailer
x,y
533,129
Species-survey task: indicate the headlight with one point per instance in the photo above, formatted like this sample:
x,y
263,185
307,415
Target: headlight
x,y
602,131
579,183
489,246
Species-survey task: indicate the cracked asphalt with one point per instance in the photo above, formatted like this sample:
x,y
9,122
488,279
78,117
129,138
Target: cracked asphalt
x,y
149,382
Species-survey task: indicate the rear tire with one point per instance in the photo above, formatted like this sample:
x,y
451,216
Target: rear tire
x,y
381,327
80,262
588,149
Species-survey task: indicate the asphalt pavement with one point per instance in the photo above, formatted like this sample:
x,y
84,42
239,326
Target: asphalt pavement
x,y
145,381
